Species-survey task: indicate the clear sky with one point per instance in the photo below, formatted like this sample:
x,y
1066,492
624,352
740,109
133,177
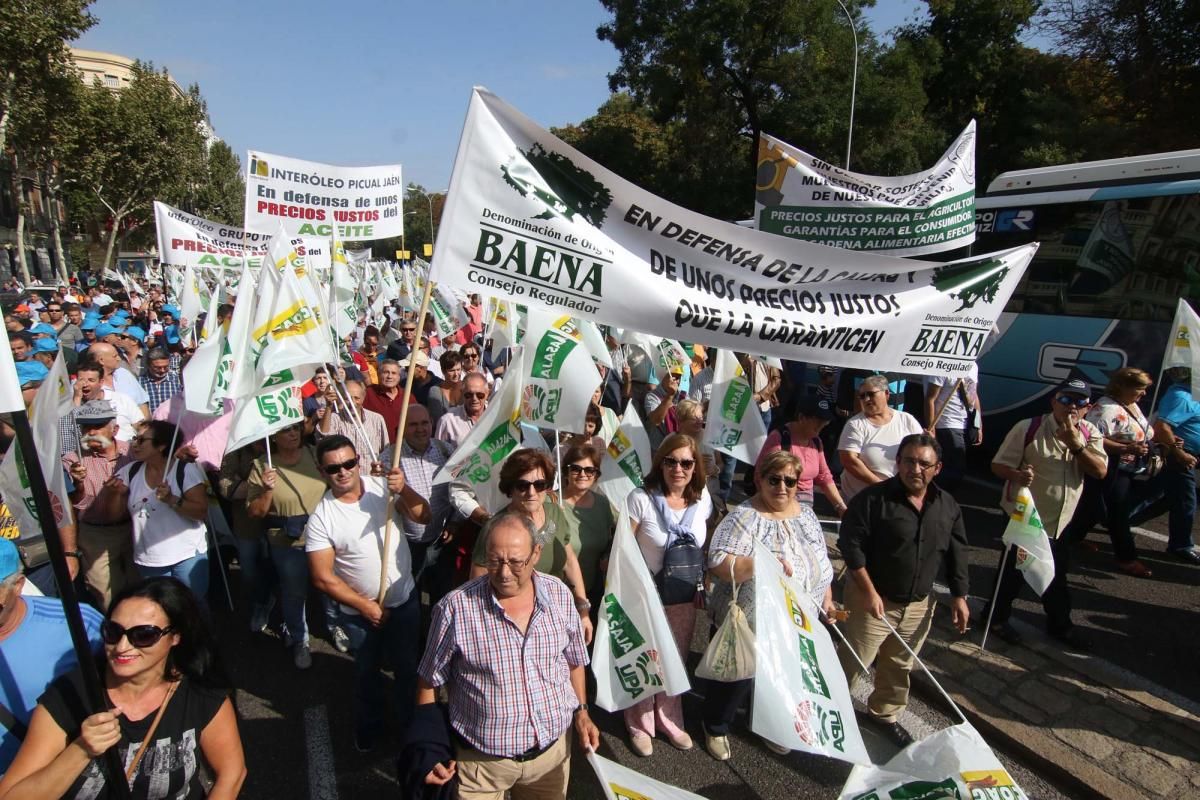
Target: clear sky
x,y
376,81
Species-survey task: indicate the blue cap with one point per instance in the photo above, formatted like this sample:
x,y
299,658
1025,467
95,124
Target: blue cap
x,y
10,559
46,344
106,329
43,329
172,310
90,324
31,372
134,332
171,332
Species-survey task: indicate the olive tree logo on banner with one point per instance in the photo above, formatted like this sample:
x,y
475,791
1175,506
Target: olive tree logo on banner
x,y
971,281
563,188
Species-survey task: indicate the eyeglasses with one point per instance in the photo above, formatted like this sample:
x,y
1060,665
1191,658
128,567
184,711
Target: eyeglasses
x,y
522,486
408,330
54,310
471,356
334,469
1068,400
142,439
475,395
868,395
591,472
775,480
917,463
140,636
496,564
684,464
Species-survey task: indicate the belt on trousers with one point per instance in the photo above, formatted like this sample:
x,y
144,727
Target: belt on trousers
x,y
528,755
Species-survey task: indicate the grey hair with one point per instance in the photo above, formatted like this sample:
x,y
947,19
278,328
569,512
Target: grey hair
x,y
512,516
879,382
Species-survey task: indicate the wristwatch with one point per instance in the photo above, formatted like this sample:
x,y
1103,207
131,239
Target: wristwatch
x,y
73,554
1077,450
178,502
580,707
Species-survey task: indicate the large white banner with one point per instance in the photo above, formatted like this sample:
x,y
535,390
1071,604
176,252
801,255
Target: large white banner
x,y
952,763
313,199
530,219
187,240
801,699
801,196
622,783
734,425
635,656
559,374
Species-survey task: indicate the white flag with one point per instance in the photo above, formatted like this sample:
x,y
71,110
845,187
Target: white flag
x,y
342,312
191,304
628,461
501,324
635,656
622,783
230,380
266,411
559,375
801,699
1180,352
52,401
1025,532
734,425
952,763
594,341
446,309
476,463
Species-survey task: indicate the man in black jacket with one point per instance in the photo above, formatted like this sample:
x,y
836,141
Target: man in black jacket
x,y
895,537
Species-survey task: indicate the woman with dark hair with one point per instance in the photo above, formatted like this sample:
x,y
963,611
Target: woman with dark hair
x,y
588,515
170,705
448,393
282,497
168,511
671,509
525,478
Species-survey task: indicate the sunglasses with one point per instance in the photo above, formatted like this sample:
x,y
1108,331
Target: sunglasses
x,y
1068,400
538,486
591,472
140,636
472,356
776,480
868,395
54,310
475,395
408,330
683,463
334,469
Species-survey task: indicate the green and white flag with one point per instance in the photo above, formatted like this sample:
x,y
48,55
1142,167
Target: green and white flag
x,y
634,655
804,197
530,219
952,764
627,460
52,401
343,313
559,375
1180,352
228,377
501,324
623,783
446,310
263,413
475,465
801,699
192,302
1025,532
734,425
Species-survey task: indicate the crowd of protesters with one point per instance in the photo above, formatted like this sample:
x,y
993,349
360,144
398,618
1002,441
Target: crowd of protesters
x,y
485,615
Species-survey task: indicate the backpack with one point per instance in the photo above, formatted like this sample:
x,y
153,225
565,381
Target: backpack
x,y
136,467
682,570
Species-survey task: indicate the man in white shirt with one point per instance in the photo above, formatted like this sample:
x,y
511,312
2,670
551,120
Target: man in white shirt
x,y
89,386
951,405
344,538
456,423
116,376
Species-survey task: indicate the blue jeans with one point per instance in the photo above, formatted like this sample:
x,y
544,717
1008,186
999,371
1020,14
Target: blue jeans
x,y
1180,486
396,642
192,573
257,576
291,565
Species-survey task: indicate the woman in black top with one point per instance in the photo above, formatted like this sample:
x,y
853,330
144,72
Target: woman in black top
x,y
163,686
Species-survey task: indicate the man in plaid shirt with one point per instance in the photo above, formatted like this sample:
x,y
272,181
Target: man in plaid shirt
x,y
161,381
509,648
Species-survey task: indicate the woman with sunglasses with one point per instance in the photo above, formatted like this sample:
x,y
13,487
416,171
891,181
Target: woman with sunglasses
x,y
168,510
690,414
526,478
282,497
169,706
871,439
790,530
669,514
588,515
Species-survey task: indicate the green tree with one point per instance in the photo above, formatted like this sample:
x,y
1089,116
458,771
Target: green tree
x,y
418,205
221,196
131,147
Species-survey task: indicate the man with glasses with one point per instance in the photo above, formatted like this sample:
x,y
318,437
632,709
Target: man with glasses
x,y
511,636
161,382
1050,455
343,539
67,329
895,537
400,348
456,424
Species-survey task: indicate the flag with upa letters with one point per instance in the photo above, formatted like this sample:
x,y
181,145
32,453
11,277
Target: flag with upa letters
x,y
1025,532
734,425
634,655
622,783
801,698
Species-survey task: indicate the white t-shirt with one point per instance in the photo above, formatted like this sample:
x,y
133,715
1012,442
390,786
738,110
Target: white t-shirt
x,y
877,446
954,416
354,531
128,412
161,535
651,538
123,381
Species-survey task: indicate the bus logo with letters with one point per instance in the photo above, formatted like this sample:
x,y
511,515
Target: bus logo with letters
x,y
1058,361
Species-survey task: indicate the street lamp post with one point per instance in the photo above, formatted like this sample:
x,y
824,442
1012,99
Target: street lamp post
x,y
853,81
